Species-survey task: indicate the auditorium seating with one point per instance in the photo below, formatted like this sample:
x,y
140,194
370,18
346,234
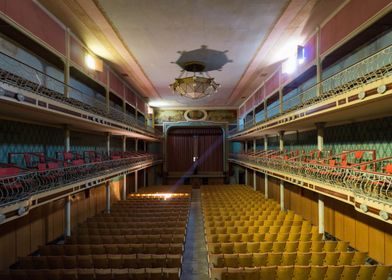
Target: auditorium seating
x,y
248,237
141,238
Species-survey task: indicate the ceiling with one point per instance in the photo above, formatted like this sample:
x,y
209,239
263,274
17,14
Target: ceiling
x,y
144,39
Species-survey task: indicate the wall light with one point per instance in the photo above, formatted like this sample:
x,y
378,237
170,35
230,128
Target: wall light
x,y
93,63
289,66
158,103
291,63
301,54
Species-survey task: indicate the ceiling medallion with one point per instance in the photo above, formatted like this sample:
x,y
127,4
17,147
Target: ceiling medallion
x,y
193,86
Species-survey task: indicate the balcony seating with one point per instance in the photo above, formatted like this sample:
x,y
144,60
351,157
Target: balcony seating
x,y
356,170
45,173
248,237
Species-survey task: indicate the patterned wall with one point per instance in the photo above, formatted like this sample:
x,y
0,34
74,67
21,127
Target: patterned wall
x,y
18,137
273,143
373,134
306,141
162,115
368,135
81,141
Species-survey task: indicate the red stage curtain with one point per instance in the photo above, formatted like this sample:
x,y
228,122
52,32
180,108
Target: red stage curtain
x,y
185,142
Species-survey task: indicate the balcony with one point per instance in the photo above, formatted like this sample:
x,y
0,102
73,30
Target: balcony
x,y
16,76
23,188
355,177
365,79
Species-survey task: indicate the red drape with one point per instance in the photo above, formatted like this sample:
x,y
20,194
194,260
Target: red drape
x,y
183,143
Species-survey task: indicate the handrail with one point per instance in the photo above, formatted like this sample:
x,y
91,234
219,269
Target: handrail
x,y
352,77
24,76
22,186
371,184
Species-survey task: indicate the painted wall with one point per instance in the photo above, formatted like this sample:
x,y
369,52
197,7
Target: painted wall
x,y
162,115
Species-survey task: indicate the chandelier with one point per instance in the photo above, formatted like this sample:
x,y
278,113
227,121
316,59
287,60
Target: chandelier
x,y
194,86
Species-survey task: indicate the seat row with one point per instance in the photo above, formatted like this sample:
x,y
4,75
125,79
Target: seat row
x,y
244,218
139,219
330,272
287,258
140,248
122,239
161,209
100,261
266,222
306,228
93,274
129,231
265,247
129,214
129,225
258,237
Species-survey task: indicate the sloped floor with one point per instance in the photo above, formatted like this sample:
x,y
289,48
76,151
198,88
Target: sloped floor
x,y
194,264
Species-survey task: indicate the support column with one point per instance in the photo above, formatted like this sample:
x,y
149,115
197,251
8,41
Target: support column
x,y
145,177
265,109
237,175
67,139
281,195
254,171
281,141
281,100
320,135
124,189
318,63
108,143
321,214
67,62
254,180
265,174
136,182
246,169
145,146
136,144
107,91
107,189
124,143
67,209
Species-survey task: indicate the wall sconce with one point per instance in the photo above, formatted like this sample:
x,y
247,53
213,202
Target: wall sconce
x,y
291,63
93,62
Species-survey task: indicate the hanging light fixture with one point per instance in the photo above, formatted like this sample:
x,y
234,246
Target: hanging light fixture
x,y
194,86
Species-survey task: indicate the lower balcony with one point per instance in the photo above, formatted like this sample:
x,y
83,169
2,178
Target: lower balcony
x,y
369,191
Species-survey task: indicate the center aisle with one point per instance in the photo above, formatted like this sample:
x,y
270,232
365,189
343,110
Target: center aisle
x,y
195,264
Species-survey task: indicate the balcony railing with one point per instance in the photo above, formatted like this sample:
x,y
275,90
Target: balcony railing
x,y
370,69
365,183
21,75
24,185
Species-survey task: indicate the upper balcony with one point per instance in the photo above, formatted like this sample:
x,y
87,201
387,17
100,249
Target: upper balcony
x,y
26,91
344,95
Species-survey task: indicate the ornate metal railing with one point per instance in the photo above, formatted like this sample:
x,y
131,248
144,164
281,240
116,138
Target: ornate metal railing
x,y
24,185
21,75
370,184
370,69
